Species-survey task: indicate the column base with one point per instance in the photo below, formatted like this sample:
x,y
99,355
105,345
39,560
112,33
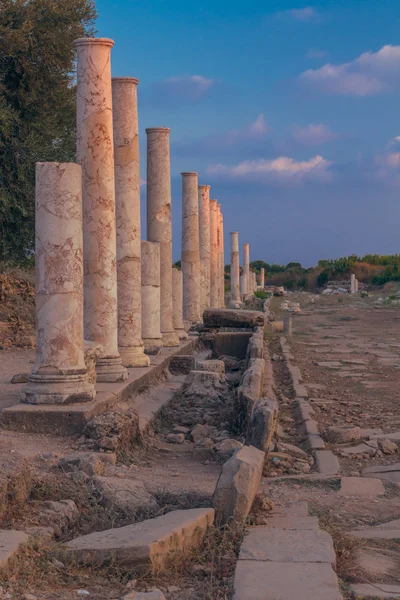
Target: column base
x,y
109,369
134,356
58,389
152,346
235,304
182,334
170,339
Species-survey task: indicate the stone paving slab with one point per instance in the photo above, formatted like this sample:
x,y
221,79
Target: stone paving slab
x,y
282,545
293,522
71,418
361,487
10,543
146,544
327,462
376,590
258,580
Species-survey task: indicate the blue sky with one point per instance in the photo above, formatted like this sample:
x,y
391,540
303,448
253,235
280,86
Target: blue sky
x,y
289,110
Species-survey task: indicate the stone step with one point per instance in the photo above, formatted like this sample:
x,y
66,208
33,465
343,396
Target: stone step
x,y
327,462
10,542
146,544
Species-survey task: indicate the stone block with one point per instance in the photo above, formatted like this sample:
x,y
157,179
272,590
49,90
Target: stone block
x,y
343,434
147,544
90,464
262,424
201,384
233,343
237,485
250,389
219,317
315,442
258,580
327,462
310,427
285,545
305,411
277,326
126,494
216,366
300,390
182,364
361,487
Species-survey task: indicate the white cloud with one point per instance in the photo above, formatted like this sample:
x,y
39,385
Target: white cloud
x,y
371,73
313,134
316,53
258,127
305,15
388,167
281,169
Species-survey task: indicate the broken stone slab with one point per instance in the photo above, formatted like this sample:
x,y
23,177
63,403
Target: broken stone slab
x,y
361,487
227,447
375,563
237,485
218,317
291,449
387,446
330,364
146,544
304,411
394,437
255,348
327,462
199,432
216,366
89,464
300,391
359,449
20,378
258,580
384,531
203,384
285,545
175,438
292,522
11,541
381,469
294,509
59,515
182,364
315,442
126,494
310,427
250,389
376,590
262,424
344,433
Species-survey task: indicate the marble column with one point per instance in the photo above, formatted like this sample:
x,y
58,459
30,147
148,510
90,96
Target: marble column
x,y
151,314
262,278
95,152
235,271
353,287
214,290
190,248
222,259
177,298
127,199
246,268
243,291
59,375
205,246
159,226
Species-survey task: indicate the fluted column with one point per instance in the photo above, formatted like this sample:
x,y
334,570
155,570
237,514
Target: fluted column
x,y
214,290
235,271
177,298
246,268
205,246
127,198
190,248
222,254
151,322
95,152
59,374
262,278
159,226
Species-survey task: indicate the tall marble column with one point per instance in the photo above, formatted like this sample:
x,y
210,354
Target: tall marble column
x,y
151,315
222,251
219,256
127,199
59,375
95,152
262,278
235,271
190,248
242,286
205,246
246,267
177,298
214,290
353,285
159,227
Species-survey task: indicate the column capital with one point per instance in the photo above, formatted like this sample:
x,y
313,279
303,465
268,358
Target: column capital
x,y
88,41
159,129
132,80
205,186
189,174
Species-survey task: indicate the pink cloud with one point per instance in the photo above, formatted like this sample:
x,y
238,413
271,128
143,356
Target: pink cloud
x,y
313,134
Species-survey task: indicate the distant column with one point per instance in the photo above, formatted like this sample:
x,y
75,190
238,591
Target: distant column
x,y
243,291
127,198
95,152
59,374
246,267
214,295
177,298
262,278
222,293
353,284
151,323
205,246
235,271
159,227
190,248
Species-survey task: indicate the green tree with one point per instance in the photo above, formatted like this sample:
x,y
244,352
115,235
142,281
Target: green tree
x,y
257,265
37,105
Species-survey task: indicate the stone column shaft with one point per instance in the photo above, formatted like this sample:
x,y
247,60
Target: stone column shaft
x,y
353,287
205,246
151,321
262,278
59,374
95,152
127,198
177,299
214,295
190,248
222,261
242,286
246,267
159,227
235,271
